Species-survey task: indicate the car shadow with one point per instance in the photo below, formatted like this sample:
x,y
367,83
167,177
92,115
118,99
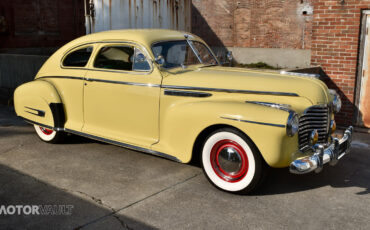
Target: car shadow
x,y
18,188
76,139
351,171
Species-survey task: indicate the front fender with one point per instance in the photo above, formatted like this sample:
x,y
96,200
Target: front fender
x,y
39,102
181,123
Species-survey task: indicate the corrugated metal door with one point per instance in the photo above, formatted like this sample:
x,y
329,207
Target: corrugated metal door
x,y
364,103
124,14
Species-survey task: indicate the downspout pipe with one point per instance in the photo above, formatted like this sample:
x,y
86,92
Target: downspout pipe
x,y
87,17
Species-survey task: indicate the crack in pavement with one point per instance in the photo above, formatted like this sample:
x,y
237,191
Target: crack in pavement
x,y
115,211
15,147
11,149
100,202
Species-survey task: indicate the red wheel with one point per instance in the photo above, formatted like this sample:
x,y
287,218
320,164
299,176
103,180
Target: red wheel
x,y
231,161
49,135
46,131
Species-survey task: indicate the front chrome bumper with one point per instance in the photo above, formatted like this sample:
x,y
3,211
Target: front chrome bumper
x,y
331,154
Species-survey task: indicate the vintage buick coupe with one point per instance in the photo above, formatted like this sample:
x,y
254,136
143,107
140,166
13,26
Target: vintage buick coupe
x,y
165,93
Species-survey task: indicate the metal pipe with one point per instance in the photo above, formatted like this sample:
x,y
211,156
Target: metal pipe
x,y
87,19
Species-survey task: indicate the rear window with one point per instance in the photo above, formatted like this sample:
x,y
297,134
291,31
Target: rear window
x,y
78,58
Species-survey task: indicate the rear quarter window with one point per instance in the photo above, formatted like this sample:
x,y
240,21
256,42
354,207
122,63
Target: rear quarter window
x,y
78,58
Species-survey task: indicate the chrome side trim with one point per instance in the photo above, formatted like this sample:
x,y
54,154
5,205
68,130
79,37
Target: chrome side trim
x,y
254,122
185,93
121,144
39,113
122,82
284,107
43,125
105,81
314,75
178,87
230,90
62,77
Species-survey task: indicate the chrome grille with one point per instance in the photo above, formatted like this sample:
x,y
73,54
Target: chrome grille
x,y
315,117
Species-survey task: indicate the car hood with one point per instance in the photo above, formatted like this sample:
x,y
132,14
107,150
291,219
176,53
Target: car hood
x,y
217,77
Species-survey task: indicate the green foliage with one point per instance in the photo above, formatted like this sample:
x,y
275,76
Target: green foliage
x,y
258,65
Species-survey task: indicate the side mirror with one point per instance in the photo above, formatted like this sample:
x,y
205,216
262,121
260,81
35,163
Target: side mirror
x,y
160,60
230,57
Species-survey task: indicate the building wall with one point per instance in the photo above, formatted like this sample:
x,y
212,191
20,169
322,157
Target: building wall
x,y
267,24
40,23
128,14
335,46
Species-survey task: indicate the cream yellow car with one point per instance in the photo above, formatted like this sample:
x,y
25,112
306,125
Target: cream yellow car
x,y
165,93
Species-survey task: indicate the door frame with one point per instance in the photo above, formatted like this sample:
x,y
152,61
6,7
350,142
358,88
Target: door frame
x,y
357,118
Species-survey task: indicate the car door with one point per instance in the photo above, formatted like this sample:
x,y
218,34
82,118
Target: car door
x,y
121,95
68,81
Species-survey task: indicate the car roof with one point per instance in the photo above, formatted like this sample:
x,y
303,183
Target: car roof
x,y
143,36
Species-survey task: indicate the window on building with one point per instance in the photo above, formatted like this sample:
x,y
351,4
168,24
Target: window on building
x,y
78,58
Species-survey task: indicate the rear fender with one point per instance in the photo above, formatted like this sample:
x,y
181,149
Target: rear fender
x,y
39,102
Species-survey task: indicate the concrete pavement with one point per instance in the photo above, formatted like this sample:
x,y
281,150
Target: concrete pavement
x,y
115,188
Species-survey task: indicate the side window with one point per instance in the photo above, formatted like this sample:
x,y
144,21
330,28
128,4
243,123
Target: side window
x,y
78,58
115,57
140,61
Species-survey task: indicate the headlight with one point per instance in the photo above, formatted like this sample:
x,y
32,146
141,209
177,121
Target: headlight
x,y
292,124
337,103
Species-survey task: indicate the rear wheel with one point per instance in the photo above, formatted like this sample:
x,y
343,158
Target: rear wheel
x,y
49,135
231,161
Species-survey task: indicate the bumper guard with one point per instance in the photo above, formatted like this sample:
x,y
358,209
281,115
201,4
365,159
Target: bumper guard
x,y
331,154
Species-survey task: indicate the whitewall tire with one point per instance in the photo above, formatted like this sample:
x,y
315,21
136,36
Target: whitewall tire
x,y
49,135
231,161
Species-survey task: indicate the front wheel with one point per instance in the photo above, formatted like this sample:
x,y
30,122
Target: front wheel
x,y
49,135
231,161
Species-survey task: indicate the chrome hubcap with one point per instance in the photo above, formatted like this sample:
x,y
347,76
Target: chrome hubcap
x,y
230,160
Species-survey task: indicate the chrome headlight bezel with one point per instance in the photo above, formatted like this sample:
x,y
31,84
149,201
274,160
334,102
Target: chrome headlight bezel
x,y
337,102
292,125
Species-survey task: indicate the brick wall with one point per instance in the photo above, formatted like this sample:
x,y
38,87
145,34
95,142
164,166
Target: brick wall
x,y
253,23
335,44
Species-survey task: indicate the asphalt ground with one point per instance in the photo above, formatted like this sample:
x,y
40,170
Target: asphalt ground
x,y
115,188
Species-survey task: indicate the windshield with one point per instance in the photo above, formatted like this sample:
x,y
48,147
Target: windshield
x,y
180,53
